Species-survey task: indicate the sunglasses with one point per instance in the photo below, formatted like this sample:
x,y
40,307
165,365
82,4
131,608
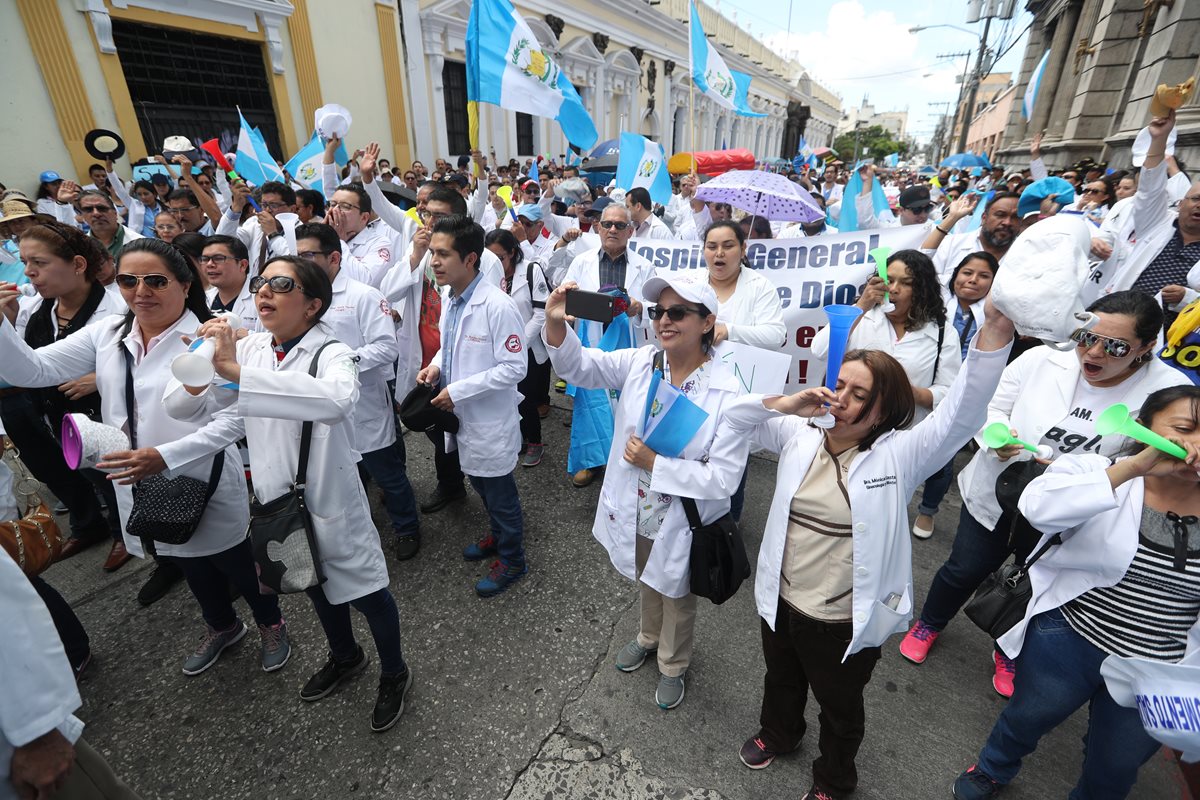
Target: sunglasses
x,y
922,209
1117,348
674,313
610,224
1093,191
155,283
280,284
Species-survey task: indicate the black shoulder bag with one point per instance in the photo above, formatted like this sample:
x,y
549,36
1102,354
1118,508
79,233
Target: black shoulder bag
x,y
281,532
166,510
1001,600
717,563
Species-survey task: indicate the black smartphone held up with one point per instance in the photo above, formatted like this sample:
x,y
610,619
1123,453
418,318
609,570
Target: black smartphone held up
x,y
595,306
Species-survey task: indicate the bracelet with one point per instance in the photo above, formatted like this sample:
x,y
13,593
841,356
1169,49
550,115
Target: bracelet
x,y
942,232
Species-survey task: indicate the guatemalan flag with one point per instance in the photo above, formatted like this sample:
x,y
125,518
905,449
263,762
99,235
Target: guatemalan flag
x,y
255,164
507,67
305,166
711,75
1031,89
848,221
643,163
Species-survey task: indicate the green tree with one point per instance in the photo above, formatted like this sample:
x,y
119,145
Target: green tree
x,y
874,142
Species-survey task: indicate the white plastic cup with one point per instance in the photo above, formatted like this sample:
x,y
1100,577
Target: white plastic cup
x,y
194,368
825,421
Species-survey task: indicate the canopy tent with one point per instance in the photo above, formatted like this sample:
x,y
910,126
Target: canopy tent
x,y
711,162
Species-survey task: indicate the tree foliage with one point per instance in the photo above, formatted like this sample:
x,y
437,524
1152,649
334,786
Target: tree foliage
x,y
874,142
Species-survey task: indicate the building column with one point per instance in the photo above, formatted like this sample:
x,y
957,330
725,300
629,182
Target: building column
x,y
393,80
415,67
437,98
1015,130
1060,54
1082,21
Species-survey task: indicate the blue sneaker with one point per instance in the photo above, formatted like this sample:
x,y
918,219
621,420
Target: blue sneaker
x,y
975,784
499,579
480,550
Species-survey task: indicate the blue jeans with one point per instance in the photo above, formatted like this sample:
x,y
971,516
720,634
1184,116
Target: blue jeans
x,y
936,486
1057,672
738,501
379,607
504,508
209,577
387,468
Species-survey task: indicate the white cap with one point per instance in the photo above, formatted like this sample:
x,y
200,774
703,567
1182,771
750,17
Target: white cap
x,y
691,285
1141,146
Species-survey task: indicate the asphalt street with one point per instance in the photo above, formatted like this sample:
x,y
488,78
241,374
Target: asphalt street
x,y
516,696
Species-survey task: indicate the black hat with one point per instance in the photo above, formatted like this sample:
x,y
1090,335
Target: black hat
x,y
418,414
103,144
915,197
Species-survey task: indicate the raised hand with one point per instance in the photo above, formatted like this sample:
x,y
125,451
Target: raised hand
x,y
369,161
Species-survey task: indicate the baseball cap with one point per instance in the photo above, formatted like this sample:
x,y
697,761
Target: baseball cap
x,y
457,180
691,285
530,211
525,186
598,206
463,161
49,176
915,197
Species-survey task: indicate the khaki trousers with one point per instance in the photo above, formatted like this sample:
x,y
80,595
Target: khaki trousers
x,y
92,779
668,623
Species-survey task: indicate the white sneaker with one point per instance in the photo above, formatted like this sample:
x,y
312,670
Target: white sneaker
x,y
922,533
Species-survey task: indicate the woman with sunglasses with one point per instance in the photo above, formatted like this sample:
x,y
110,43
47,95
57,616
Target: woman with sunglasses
x,y
748,307
1096,199
640,519
276,395
1124,582
133,354
1053,398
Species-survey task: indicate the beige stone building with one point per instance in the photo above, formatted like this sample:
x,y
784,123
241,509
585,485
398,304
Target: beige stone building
x,y
149,69
1106,58
987,128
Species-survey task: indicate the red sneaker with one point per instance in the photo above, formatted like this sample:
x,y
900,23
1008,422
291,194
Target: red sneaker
x,y
917,642
1006,673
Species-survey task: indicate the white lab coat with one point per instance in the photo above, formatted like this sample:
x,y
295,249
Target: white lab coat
x,y
864,204
753,315
399,221
37,685
1100,529
541,247
136,218
361,319
653,228
488,362
243,306
251,234
917,351
98,348
111,303
1034,395
880,483
524,297
585,271
269,409
953,249
708,470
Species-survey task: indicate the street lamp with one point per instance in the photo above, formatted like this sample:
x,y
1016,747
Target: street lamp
x,y
919,28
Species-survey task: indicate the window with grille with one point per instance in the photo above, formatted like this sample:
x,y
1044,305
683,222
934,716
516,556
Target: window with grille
x,y
525,145
454,91
191,84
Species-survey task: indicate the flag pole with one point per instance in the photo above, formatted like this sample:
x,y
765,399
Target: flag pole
x,y
691,89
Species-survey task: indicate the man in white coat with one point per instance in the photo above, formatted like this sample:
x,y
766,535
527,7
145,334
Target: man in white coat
x,y
480,363
361,318
225,263
262,234
646,224
374,231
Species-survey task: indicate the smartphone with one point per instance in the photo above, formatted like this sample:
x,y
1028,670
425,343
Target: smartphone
x,y
595,306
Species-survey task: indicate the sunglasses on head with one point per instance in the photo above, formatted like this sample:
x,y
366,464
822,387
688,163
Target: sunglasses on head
x,y
1117,348
674,313
613,224
155,282
280,284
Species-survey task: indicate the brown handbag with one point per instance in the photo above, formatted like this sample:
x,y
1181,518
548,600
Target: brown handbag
x,y
34,541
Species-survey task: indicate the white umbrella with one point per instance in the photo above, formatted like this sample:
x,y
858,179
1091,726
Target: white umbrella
x,y
763,194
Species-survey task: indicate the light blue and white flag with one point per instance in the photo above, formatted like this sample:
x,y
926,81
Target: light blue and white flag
x,y
573,158
643,163
712,76
255,164
533,172
848,220
305,166
892,161
507,67
1031,89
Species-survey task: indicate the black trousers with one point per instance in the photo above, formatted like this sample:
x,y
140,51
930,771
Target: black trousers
x,y
803,654
42,455
74,637
535,391
449,473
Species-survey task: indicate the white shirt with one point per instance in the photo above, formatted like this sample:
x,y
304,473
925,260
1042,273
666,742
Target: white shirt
x,y
953,249
753,314
652,228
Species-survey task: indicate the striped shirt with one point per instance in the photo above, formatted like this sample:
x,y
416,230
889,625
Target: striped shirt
x,y
1149,612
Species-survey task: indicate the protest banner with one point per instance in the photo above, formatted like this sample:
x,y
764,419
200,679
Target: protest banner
x,y
809,274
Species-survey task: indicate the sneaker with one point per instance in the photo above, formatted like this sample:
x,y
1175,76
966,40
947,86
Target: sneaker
x,y
669,693
974,784
328,677
499,579
1005,674
389,703
632,656
212,644
560,386
82,666
543,410
756,755
583,478
442,498
276,649
484,548
161,580
407,546
533,455
916,644
817,794
920,531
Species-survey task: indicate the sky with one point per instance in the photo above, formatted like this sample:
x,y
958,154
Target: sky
x,y
863,47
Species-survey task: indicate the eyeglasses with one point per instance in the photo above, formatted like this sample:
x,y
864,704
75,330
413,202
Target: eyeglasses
x,y
277,206
674,313
312,254
343,206
154,282
1093,191
217,259
433,215
167,228
1117,348
280,284
612,224
180,211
